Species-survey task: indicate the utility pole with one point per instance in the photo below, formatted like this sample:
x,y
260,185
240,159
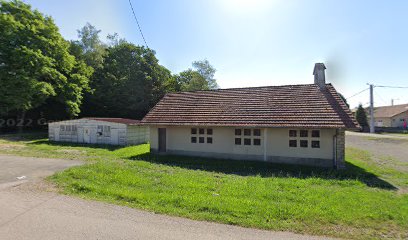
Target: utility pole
x,y
372,127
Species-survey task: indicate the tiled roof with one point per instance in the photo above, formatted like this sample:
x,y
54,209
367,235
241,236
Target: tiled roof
x,y
116,120
275,106
389,111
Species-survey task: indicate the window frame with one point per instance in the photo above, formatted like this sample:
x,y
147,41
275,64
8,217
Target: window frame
x,y
247,132
240,141
304,135
211,140
314,142
303,141
256,141
293,141
315,131
247,142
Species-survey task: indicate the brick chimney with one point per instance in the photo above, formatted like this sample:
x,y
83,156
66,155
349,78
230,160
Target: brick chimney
x,y
319,76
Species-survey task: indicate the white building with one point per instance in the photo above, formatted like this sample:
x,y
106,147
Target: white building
x,y
114,131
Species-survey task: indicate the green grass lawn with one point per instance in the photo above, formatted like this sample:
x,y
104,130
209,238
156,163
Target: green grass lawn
x,y
364,201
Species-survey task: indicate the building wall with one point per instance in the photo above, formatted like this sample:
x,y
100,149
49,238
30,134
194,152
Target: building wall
x,y
277,145
137,135
398,120
382,122
119,134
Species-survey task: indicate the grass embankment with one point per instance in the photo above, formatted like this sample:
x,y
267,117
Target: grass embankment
x,y
356,203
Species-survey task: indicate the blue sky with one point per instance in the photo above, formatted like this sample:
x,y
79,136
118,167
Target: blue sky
x,y
262,42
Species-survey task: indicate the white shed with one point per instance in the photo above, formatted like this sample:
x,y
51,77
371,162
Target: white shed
x,y
114,131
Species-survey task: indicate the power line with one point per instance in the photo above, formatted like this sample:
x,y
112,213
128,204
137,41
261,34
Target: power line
x,y
358,93
389,86
140,29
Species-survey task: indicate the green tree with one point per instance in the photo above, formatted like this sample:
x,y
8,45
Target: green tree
x,y
35,62
129,84
361,116
89,47
205,69
191,80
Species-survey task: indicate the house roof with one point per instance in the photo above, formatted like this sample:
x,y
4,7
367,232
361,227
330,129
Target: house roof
x,y
274,106
116,120
389,111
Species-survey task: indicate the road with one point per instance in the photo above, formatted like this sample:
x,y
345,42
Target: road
x,y
32,209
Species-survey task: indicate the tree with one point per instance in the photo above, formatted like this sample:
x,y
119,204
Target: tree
x,y
191,80
35,62
129,83
89,47
205,69
361,116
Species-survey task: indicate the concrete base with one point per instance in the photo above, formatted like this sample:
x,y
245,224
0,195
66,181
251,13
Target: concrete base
x,y
318,162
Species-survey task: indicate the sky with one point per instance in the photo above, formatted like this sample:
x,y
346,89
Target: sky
x,y
262,42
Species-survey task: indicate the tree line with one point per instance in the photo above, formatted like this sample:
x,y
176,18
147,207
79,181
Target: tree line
x,y
43,75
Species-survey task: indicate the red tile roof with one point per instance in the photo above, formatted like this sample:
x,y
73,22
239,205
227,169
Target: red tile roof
x,y
389,111
116,120
274,106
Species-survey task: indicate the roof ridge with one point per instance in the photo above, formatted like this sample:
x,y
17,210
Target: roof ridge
x,y
248,88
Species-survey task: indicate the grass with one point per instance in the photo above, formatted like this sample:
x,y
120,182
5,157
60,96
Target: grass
x,y
361,202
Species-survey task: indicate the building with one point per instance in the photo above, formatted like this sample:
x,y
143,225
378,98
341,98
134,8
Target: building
x,y
390,116
114,131
294,124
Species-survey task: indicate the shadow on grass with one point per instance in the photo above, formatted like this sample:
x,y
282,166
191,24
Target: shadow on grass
x,y
70,144
265,169
28,136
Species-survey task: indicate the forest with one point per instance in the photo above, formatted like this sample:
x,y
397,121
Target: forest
x,y
44,77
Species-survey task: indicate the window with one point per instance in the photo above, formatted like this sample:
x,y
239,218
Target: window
x,y
62,128
292,143
315,133
315,144
257,132
247,141
209,131
247,132
237,141
303,133
68,128
303,143
209,140
402,119
201,139
292,133
257,141
106,131
100,130
201,131
103,131
193,139
194,131
238,132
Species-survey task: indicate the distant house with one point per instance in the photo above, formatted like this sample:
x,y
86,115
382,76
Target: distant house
x,y
296,124
114,131
390,116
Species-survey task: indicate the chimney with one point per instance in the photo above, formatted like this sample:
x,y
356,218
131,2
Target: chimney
x,y
319,77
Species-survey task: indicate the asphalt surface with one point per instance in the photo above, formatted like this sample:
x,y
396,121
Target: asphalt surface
x,y
31,209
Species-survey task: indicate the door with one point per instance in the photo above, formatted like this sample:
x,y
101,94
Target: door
x,y
87,135
56,134
162,140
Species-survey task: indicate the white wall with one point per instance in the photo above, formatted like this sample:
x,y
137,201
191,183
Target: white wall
x,y
137,135
178,139
118,132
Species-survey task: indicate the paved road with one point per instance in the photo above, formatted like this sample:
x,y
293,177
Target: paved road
x,y
33,210
29,167
380,146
